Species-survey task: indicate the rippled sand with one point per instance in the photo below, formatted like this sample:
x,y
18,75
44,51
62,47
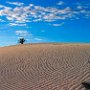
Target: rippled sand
x,y
44,67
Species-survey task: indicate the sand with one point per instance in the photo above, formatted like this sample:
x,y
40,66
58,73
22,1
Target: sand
x,y
44,67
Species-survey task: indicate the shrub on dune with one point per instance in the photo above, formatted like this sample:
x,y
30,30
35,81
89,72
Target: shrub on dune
x,y
21,40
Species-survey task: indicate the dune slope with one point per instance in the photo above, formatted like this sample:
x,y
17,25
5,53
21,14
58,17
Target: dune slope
x,y
44,67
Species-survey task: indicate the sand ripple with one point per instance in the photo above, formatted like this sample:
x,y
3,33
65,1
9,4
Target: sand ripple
x,y
44,67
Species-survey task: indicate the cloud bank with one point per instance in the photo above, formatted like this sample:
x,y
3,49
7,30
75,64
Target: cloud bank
x,y
22,14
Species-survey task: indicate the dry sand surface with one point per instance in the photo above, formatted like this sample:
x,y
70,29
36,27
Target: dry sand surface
x,y
44,67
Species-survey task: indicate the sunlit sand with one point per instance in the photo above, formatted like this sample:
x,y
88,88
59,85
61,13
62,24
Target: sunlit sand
x,y
44,67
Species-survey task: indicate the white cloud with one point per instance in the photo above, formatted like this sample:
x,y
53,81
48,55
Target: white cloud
x,y
60,3
56,25
21,33
36,20
1,20
16,3
79,7
38,39
16,24
20,15
2,6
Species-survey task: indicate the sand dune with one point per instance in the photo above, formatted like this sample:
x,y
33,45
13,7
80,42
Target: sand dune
x,y
44,67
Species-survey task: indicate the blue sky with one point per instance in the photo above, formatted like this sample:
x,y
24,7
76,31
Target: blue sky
x,y
44,21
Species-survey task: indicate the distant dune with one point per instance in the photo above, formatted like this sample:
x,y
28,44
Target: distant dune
x,y
44,67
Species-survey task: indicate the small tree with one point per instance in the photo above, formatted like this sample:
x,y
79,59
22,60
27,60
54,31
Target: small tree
x,y
21,40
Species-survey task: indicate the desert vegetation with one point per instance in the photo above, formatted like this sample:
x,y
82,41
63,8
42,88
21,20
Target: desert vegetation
x,y
21,40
